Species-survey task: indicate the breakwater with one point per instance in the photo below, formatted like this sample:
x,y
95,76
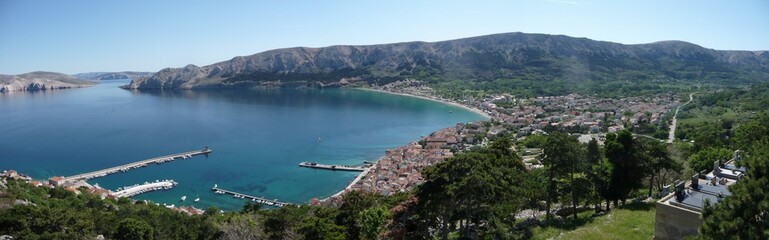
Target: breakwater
x,y
137,164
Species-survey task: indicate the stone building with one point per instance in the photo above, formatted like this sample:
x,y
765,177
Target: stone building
x,y
679,214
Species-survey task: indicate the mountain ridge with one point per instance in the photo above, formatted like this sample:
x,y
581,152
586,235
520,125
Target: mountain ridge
x,y
506,55
112,75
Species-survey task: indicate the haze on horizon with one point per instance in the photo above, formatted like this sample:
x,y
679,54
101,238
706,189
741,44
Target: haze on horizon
x,y
85,36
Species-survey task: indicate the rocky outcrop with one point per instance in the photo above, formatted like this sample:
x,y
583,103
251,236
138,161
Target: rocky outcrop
x,y
508,55
40,81
112,75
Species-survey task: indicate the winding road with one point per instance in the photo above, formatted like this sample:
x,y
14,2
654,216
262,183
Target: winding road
x,y
672,134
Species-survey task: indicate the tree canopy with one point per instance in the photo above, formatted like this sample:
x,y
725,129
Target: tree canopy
x,y
563,157
703,160
622,151
476,189
744,214
130,228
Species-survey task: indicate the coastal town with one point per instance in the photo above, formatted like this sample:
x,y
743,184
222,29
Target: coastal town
x,y
573,113
588,117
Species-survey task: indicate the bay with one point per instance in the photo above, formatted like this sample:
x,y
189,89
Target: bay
x,y
258,137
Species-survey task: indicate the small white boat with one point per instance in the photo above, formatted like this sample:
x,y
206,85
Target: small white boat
x,y
197,199
184,198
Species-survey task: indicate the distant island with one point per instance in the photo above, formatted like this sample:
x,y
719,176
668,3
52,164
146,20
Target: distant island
x,y
35,81
112,75
537,58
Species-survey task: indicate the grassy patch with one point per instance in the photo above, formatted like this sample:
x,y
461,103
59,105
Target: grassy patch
x,y
632,221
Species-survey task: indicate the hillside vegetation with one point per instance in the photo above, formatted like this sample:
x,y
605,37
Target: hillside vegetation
x,y
710,119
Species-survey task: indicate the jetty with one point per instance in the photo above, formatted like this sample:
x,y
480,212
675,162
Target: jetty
x,y
268,202
137,164
333,167
133,190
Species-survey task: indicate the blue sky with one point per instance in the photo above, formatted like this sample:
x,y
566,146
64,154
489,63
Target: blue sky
x,y
83,36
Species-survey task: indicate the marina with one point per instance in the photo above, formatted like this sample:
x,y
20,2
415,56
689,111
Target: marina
x,y
333,167
265,201
133,190
137,164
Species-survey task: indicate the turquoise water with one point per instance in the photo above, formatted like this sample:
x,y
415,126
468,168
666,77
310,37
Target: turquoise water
x,y
258,137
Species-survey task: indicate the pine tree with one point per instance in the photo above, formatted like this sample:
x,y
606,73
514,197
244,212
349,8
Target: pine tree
x,y
563,157
627,165
656,158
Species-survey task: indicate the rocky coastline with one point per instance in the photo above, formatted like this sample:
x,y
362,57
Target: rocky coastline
x,y
40,81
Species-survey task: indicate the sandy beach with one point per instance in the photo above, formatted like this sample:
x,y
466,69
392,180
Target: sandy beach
x,y
472,109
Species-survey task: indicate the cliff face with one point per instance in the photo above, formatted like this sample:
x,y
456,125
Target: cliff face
x,y
35,81
509,55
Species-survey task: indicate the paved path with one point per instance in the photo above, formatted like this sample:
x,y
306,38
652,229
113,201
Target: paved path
x,y
672,134
355,181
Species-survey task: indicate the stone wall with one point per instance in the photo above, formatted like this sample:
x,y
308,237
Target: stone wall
x,y
674,222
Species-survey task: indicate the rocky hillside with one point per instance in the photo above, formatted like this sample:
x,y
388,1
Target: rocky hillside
x,y
112,75
509,55
40,81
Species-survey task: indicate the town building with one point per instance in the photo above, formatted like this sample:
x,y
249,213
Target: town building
x,y
11,174
56,181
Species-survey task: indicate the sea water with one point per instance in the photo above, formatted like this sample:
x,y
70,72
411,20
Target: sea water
x,y
258,137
